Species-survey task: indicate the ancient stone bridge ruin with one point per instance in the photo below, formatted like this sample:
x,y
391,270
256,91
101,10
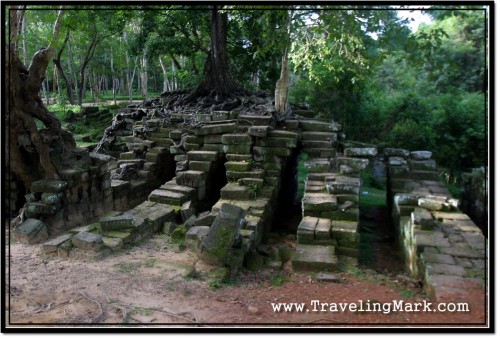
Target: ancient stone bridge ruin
x,y
223,178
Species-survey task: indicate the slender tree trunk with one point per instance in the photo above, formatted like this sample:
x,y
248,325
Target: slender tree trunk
x,y
144,74
166,83
57,62
281,91
88,56
25,43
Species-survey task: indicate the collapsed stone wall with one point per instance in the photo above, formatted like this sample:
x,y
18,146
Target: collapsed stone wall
x,y
474,199
441,245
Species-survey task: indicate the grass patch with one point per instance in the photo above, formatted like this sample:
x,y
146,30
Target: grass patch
x,y
127,267
301,175
407,294
278,281
372,197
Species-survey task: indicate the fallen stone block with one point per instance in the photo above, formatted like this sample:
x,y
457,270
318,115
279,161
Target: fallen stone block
x,y
318,126
396,161
113,244
319,202
423,219
31,231
238,166
50,247
238,149
258,131
314,258
89,242
203,166
318,136
223,234
118,222
446,269
233,191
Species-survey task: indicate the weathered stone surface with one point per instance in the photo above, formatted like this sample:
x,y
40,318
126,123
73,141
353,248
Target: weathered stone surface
x,y
187,210
257,174
319,202
322,230
51,198
252,182
238,149
318,126
50,247
31,231
113,243
257,120
325,277
89,242
168,227
397,161
360,152
277,142
238,166
446,269
344,185
437,258
462,252
118,222
358,164
314,258
239,157
429,238
305,230
236,139
283,134
254,261
172,186
317,144
48,186
36,208
404,199
191,178
260,152
203,166
205,219
216,129
423,219
193,232
219,148
433,204
202,156
396,152
319,136
425,165
233,191
258,131
168,197
175,134
421,155
318,165
223,233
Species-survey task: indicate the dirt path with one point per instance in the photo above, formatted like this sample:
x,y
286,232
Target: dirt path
x,y
151,284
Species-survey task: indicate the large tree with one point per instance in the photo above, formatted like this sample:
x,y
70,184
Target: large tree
x,y
30,150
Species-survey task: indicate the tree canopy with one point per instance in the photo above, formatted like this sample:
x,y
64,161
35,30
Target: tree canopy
x,y
360,65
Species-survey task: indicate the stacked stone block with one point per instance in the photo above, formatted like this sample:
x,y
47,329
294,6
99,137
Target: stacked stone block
x,y
442,246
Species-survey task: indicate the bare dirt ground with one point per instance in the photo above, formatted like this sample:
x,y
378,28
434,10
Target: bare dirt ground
x,y
154,284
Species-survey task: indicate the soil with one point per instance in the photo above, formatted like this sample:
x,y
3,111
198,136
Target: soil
x,y
155,283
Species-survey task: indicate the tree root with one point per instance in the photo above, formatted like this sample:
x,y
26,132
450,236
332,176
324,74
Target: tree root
x,y
96,318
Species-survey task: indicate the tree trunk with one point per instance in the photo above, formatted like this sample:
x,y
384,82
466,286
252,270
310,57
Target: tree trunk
x,y
144,74
88,56
33,154
217,79
60,71
281,91
166,83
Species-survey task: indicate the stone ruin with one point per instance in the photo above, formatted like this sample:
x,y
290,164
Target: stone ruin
x,y
218,177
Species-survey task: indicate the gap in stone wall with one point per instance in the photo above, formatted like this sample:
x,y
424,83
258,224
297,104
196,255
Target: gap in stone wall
x,y
288,213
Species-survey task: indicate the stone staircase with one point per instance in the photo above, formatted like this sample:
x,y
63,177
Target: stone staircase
x,y
328,235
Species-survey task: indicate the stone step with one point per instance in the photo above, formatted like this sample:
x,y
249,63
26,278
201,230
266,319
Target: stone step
x,y
257,120
137,163
233,191
236,139
168,197
318,136
216,129
320,152
315,258
127,156
318,165
203,166
312,144
318,126
191,178
172,186
256,174
319,202
238,166
202,155
360,152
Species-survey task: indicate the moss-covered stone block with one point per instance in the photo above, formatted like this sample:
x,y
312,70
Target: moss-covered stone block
x,y
238,166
